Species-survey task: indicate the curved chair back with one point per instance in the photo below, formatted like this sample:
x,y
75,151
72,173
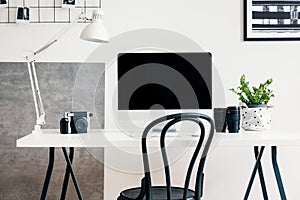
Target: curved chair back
x,y
171,120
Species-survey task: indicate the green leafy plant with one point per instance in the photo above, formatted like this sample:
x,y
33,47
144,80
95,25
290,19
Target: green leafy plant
x,y
253,95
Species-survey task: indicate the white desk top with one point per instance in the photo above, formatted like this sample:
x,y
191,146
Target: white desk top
x,y
106,138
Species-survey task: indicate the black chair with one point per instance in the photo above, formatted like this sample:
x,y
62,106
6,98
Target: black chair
x,y
168,192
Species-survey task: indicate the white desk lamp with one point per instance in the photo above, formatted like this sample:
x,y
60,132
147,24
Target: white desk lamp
x,y
94,32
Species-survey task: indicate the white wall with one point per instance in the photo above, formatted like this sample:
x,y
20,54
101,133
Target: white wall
x,y
217,27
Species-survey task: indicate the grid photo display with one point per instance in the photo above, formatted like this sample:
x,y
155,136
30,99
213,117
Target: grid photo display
x,y
46,11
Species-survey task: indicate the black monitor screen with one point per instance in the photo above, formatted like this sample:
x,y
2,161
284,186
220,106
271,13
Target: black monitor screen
x,y
164,81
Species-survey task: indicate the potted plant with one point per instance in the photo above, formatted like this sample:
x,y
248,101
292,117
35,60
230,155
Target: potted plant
x,y
256,113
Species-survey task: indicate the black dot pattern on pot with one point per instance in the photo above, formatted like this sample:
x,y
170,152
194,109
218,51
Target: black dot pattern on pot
x,y
256,119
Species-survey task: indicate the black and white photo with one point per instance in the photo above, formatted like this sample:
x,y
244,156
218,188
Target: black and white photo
x,y
23,14
271,20
68,3
3,3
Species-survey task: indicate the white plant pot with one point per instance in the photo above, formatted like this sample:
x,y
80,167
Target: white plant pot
x,y
256,117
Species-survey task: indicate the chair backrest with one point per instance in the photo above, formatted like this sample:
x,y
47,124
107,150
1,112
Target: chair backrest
x,y
171,120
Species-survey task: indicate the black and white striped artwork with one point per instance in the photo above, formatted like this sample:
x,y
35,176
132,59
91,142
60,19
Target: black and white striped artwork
x,y
271,19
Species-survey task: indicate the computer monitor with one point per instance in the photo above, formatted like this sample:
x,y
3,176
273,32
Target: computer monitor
x,y
168,81
151,85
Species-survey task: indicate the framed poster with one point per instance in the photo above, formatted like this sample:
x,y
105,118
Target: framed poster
x,y
271,20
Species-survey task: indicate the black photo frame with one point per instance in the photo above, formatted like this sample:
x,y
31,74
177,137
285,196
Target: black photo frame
x,y
271,20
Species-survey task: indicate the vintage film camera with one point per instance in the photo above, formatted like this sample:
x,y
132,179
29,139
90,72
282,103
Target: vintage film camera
x,y
75,122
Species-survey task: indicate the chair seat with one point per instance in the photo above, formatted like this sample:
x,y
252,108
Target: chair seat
x,y
158,193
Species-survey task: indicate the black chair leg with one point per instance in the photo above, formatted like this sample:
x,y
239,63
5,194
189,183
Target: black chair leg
x,y
202,183
48,173
72,173
257,163
277,173
261,175
67,175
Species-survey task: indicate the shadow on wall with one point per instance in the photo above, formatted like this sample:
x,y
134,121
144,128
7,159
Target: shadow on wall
x,y
22,170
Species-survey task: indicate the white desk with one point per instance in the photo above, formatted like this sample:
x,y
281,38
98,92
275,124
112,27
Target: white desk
x,y
110,138
107,139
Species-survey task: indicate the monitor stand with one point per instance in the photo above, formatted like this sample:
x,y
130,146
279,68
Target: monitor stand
x,y
157,130
160,128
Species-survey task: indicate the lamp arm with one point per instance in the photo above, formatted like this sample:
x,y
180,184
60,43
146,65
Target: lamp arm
x,y
38,104
57,36
44,47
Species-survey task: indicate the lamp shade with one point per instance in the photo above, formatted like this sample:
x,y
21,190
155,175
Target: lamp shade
x,y
95,32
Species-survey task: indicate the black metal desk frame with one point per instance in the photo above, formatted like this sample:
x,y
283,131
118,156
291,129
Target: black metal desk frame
x,y
69,170
258,168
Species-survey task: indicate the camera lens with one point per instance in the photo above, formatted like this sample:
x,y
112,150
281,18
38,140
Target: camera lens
x,y
233,119
81,125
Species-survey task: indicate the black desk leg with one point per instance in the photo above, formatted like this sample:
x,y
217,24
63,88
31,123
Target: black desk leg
x,y
72,173
67,175
256,166
261,175
48,174
277,173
